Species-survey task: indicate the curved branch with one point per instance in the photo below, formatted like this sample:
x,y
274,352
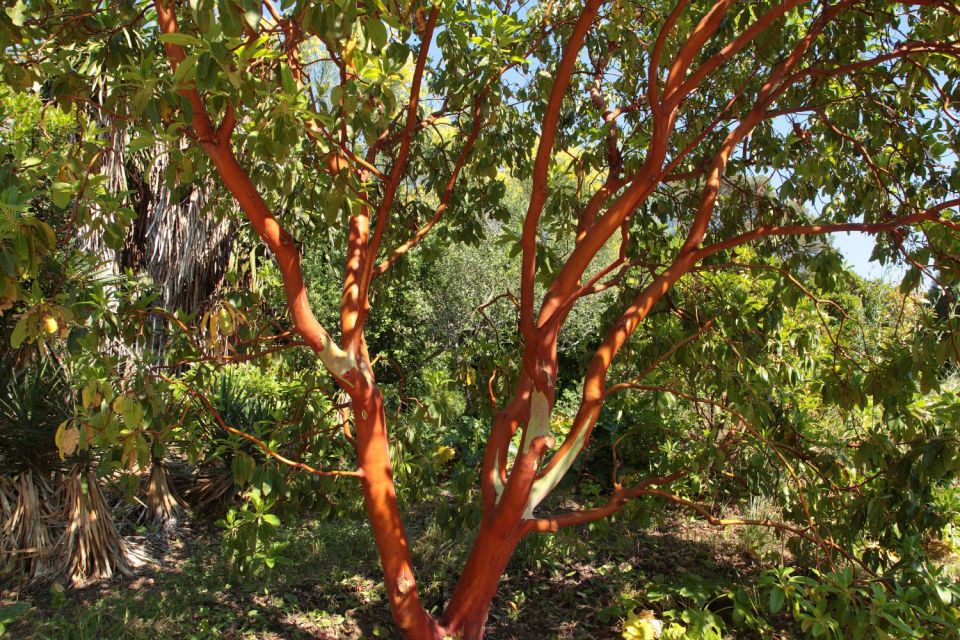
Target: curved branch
x,y
930,215
260,444
619,498
672,99
613,505
594,389
541,164
400,164
238,182
653,70
448,190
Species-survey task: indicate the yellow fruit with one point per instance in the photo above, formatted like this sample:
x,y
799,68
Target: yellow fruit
x,y
50,324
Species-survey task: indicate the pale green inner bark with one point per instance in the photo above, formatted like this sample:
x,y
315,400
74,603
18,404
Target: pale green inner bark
x,y
539,423
543,486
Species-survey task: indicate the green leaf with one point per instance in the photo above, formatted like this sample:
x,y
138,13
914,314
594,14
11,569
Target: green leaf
x,y
18,13
180,39
141,142
271,519
376,33
129,484
945,594
243,467
286,76
230,18
143,449
132,413
186,70
60,193
113,234
252,18
777,597
21,247
47,235
19,333
910,280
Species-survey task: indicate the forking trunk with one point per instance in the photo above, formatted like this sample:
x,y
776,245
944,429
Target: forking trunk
x,y
497,538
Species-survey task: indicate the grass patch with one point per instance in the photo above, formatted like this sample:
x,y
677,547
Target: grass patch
x,y
575,585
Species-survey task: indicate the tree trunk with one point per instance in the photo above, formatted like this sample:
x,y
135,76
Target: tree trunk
x,y
174,239
91,547
467,611
380,498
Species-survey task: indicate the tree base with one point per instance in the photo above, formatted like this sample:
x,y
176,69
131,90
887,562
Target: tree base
x,y
91,547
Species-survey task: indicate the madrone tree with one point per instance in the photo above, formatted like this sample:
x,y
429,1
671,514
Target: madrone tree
x,y
658,137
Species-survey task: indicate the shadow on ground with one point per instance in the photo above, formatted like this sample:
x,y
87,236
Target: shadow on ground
x,y
331,588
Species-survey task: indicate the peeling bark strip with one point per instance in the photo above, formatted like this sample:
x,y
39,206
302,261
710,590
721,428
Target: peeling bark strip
x,y
512,489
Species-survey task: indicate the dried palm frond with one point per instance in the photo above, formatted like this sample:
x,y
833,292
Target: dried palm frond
x,y
164,504
211,490
26,539
8,500
91,547
8,496
174,239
